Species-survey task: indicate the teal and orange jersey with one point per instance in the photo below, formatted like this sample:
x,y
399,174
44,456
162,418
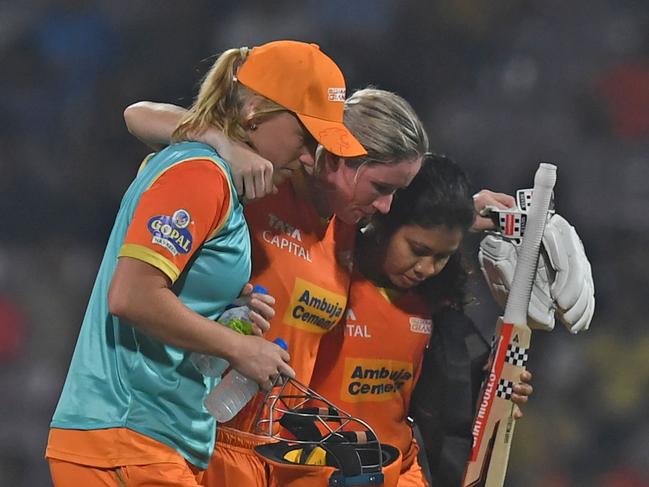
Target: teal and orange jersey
x,y
180,215
368,367
305,263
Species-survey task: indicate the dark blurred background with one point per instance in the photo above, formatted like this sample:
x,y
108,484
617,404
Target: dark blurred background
x,y
499,88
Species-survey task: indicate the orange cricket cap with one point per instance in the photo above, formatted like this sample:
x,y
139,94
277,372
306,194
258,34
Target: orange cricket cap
x,y
304,80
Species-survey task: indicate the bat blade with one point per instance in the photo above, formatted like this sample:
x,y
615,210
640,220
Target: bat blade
x,y
493,425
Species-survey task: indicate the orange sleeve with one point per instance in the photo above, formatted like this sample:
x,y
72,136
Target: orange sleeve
x,y
183,207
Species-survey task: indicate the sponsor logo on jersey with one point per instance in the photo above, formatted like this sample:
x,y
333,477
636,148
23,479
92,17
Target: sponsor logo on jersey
x,y
355,329
375,380
285,237
421,325
313,308
166,233
181,218
275,223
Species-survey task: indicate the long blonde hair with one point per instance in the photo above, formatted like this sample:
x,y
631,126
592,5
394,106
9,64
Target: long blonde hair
x,y
221,100
386,125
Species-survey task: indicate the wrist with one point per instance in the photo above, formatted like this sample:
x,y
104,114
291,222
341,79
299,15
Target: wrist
x,y
212,137
218,340
231,344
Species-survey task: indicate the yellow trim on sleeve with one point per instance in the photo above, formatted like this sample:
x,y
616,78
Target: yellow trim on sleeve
x,y
144,162
151,257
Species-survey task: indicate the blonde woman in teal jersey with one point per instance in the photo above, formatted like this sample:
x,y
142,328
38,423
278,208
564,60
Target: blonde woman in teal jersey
x,y
131,411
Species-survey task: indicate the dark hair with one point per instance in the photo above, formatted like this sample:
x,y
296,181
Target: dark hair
x,y
438,196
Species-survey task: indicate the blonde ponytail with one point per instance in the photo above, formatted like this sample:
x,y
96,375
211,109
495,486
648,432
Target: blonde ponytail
x,y
216,103
221,99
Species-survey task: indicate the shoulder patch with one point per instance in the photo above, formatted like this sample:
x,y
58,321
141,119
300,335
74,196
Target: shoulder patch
x,y
171,232
181,218
421,325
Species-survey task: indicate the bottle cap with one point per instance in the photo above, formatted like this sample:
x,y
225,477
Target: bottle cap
x,y
259,289
281,343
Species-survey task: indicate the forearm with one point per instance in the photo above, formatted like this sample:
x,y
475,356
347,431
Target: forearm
x,y
162,315
140,294
154,123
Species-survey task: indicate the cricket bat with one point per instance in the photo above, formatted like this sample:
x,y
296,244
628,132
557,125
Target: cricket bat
x,y
493,425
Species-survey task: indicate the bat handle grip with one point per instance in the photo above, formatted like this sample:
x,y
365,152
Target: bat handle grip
x,y
521,288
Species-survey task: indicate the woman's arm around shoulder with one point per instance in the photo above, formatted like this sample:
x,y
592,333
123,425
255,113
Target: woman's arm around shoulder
x,y
154,123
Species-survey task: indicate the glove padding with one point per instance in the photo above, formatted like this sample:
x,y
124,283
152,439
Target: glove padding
x,y
563,285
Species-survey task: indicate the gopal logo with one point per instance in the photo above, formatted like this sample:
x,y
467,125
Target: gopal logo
x,y
375,379
181,218
176,239
313,308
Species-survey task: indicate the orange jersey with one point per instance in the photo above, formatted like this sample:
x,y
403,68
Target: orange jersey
x,y
302,261
369,366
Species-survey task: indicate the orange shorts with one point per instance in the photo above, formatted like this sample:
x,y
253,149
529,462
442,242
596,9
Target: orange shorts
x,y
68,474
234,461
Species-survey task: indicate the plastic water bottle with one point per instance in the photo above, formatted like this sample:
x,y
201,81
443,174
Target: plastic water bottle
x,y
233,393
236,318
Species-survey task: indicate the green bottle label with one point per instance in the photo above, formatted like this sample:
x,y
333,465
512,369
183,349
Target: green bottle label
x,y
240,326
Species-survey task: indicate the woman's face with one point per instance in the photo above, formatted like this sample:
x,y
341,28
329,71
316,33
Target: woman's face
x,y
356,193
414,253
283,140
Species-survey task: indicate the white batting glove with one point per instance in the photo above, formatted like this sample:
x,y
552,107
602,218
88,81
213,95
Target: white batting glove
x,y
563,285
498,259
